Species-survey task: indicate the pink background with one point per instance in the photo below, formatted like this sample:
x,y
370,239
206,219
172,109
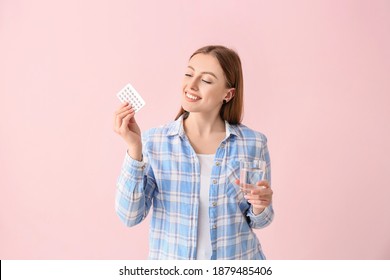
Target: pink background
x,y
316,83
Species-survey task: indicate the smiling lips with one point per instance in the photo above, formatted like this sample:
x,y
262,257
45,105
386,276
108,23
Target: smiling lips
x,y
191,97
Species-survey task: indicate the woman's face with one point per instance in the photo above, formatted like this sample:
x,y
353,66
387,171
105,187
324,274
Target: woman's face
x,y
204,85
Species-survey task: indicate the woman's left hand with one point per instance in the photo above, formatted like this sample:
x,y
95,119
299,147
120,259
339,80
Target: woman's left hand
x,y
259,197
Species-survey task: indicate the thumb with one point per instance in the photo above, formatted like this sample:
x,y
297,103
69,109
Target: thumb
x,y
132,120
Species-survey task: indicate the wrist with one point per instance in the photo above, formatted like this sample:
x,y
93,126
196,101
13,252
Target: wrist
x,y
257,211
135,152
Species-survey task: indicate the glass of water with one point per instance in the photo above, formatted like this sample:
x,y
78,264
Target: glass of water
x,y
251,172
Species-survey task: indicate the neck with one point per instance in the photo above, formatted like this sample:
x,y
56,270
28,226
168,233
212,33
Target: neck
x,y
203,125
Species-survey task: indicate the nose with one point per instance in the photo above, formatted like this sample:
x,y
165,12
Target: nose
x,y
193,83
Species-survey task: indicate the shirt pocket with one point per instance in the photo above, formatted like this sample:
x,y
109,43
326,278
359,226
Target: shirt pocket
x,y
233,191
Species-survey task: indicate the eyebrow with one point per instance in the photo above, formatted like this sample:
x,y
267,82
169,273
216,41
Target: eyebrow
x,y
210,73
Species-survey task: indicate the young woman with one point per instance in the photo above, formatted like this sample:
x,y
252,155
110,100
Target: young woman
x,y
189,169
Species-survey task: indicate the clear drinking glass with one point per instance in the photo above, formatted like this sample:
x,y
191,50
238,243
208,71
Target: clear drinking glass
x,y
251,172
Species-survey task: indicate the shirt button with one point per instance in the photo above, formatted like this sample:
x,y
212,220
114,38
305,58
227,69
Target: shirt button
x,y
214,204
217,163
214,226
214,181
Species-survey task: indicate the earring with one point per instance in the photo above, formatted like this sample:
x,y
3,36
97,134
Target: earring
x,y
224,101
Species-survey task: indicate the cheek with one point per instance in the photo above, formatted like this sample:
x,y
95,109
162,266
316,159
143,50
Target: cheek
x,y
215,93
184,84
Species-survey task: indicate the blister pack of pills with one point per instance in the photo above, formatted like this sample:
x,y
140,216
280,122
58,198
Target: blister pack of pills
x,y
129,94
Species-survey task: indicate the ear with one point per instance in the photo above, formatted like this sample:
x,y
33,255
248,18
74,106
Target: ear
x,y
230,94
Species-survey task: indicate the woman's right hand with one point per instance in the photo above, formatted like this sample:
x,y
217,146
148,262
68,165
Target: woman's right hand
x,y
126,126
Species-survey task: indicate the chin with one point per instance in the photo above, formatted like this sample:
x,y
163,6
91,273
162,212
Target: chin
x,y
189,109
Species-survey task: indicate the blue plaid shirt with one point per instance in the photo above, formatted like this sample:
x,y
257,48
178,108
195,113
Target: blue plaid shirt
x,y
168,178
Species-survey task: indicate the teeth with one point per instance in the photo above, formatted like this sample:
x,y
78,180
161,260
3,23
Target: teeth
x,y
191,96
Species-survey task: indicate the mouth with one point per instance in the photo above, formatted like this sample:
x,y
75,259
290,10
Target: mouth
x,y
191,97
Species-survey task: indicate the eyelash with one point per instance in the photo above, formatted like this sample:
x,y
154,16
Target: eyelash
x,y
207,82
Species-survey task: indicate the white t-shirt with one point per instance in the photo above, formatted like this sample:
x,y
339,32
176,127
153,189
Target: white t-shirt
x,y
204,250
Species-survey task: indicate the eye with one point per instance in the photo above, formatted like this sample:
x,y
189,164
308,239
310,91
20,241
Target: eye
x,y
207,82
188,75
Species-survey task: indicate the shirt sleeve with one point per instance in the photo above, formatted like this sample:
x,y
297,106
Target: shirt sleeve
x,y
135,189
263,219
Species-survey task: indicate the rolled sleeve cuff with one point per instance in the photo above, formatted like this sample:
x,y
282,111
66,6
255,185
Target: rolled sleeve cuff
x,y
263,219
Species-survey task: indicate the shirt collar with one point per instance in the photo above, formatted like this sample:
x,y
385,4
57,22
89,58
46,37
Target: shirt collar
x,y
177,128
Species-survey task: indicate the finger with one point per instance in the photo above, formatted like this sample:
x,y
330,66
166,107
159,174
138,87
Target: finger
x,y
259,197
132,120
259,203
119,118
267,195
125,113
124,104
117,122
263,199
262,191
122,108
123,129
125,121
263,183
258,206
247,186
